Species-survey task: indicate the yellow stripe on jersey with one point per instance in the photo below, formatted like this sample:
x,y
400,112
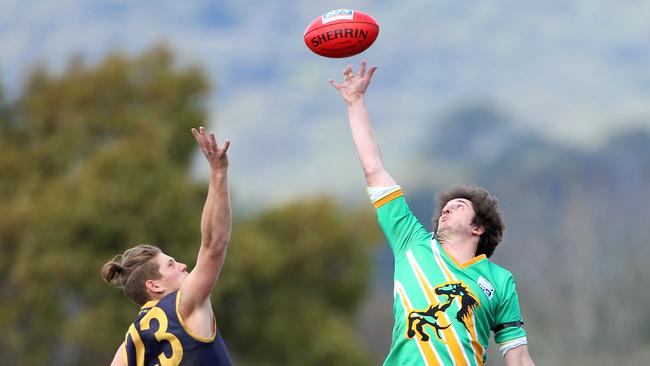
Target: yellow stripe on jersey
x,y
384,200
472,261
149,304
188,330
139,346
454,346
427,350
441,264
478,348
468,263
476,345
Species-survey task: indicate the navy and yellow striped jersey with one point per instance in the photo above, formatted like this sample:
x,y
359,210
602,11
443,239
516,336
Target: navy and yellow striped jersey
x,y
158,336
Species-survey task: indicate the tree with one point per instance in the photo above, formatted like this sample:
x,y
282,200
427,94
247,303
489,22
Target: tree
x,y
96,160
292,282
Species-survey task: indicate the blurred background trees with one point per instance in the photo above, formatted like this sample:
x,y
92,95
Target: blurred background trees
x,y
98,158
295,277
92,162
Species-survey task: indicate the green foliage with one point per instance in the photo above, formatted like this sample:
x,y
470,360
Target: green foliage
x,y
96,160
292,280
93,160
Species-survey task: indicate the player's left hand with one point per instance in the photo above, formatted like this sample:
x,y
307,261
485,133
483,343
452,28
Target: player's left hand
x,y
216,155
355,85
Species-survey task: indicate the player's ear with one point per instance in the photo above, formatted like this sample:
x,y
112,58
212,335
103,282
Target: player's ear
x,y
478,229
153,287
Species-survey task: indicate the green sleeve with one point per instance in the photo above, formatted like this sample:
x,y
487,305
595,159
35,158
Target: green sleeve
x,y
400,226
508,312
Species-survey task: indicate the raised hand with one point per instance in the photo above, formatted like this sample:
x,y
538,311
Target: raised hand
x,y
355,85
215,155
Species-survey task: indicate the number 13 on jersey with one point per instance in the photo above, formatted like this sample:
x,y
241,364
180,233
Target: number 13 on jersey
x,y
161,335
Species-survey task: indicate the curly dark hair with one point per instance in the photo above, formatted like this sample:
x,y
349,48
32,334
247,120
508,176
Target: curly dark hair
x,y
486,208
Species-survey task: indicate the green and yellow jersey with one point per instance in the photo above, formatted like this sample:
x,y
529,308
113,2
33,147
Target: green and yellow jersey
x,y
444,310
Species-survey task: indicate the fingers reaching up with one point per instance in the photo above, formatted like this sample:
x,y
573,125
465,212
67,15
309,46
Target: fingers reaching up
x,y
354,85
215,154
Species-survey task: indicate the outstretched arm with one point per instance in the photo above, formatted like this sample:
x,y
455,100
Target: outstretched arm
x,y
519,356
215,226
353,91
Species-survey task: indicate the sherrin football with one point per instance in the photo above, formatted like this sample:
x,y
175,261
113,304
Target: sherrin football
x,y
341,33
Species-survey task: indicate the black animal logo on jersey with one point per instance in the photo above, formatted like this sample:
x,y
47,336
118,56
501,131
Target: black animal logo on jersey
x,y
429,317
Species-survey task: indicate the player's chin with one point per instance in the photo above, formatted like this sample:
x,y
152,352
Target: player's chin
x,y
442,230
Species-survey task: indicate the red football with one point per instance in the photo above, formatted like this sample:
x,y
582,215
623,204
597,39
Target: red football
x,y
341,33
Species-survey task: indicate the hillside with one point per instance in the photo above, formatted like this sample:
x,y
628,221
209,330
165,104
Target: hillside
x,y
574,72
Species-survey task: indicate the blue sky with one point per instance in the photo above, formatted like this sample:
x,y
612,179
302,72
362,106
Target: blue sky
x,y
574,71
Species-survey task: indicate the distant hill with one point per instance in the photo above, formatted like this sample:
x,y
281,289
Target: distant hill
x,y
573,72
